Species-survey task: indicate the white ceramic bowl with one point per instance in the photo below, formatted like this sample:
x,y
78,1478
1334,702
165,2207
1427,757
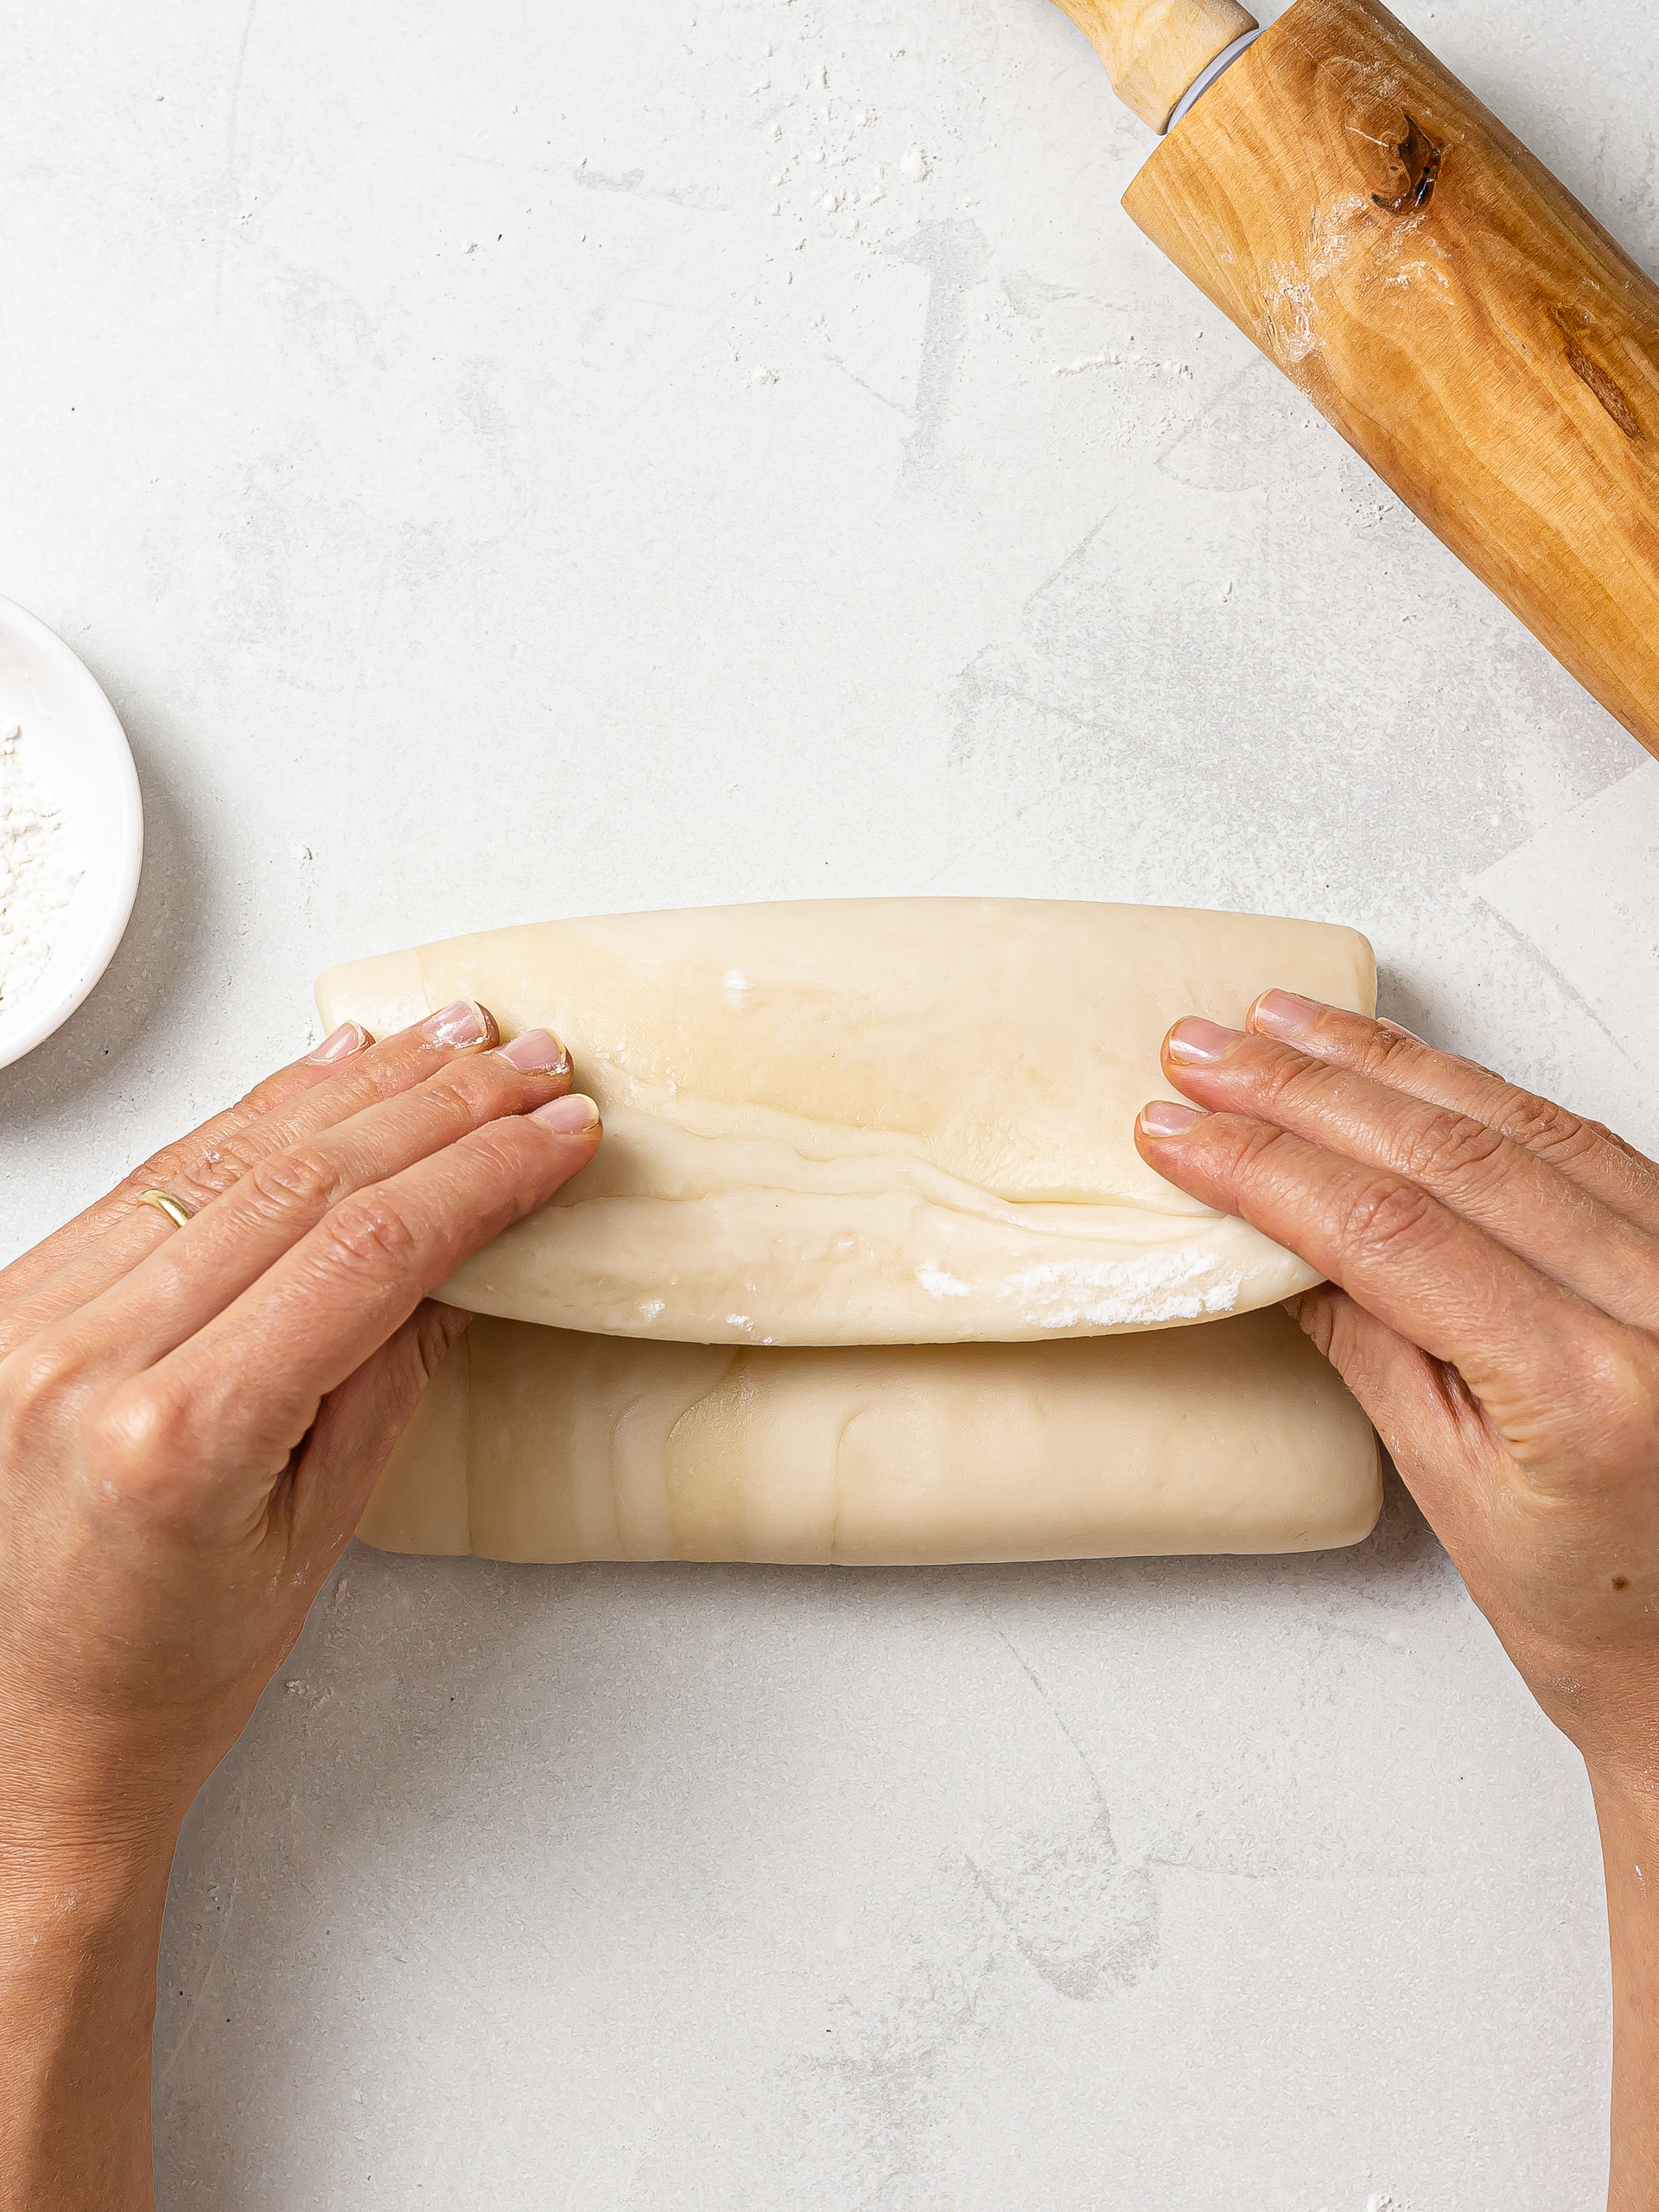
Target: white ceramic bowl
x,y
75,755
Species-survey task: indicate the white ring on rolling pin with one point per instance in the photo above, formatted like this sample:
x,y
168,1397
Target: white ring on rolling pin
x,y
1207,76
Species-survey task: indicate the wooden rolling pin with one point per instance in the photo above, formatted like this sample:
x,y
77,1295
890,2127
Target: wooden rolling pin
x,y
1443,301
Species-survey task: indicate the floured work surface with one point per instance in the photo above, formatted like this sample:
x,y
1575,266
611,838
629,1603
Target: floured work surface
x,y
870,1122
543,1443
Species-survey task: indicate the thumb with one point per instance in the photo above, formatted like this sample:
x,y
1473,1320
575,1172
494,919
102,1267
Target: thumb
x,y
358,1424
1432,1426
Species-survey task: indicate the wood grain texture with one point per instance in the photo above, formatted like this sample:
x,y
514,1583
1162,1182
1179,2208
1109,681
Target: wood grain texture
x,y
1155,49
1470,329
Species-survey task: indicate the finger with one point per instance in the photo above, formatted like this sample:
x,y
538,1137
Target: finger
x,y
404,1059
1548,1220
45,1259
244,1390
203,1166
204,1266
1611,1171
1535,1354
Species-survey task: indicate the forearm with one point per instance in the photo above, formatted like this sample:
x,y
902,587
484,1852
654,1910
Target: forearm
x,y
1629,1836
79,1940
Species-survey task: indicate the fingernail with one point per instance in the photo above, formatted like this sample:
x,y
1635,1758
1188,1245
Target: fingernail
x,y
1200,1041
1400,1029
340,1045
1164,1118
570,1117
460,1022
537,1052
1286,1013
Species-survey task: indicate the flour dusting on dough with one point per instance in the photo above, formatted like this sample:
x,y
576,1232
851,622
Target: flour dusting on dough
x,y
1125,1293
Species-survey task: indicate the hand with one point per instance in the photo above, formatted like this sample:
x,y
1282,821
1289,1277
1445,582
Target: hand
x,y
191,1421
1493,1303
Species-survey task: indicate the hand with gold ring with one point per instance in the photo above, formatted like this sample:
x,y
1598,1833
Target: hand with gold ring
x,y
200,1378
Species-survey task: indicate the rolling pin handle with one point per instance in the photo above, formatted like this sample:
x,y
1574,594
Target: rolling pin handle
x,y
1160,55
1206,77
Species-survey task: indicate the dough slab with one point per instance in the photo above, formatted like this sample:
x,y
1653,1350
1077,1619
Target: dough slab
x,y
870,1122
540,1443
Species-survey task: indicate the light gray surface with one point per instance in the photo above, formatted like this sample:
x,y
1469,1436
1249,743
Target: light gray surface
x,y
382,427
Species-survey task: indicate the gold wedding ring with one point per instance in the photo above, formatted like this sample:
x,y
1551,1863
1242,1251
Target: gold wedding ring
x,y
164,1202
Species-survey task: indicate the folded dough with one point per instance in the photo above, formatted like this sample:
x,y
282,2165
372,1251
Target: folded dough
x,y
541,1444
870,1122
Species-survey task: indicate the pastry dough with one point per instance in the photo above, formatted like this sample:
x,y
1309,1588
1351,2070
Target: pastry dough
x,y
540,1443
870,1122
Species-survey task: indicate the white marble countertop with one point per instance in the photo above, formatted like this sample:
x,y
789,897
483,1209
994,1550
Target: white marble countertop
x,y
499,469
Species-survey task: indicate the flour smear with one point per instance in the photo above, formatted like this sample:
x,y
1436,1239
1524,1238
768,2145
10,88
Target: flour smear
x,y
37,879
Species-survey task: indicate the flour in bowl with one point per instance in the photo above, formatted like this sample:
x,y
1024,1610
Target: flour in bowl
x,y
36,882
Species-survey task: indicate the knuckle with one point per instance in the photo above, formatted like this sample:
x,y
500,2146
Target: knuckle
x,y
1386,1049
302,1180
1603,1406
259,1100
1386,1216
1614,1369
508,1153
142,1438
469,1091
1313,1096
209,1174
41,1384
368,1232
503,1141
1256,1149
1291,1082
1448,1147
165,1168
1542,1127
1638,1168
140,1428
208,1161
